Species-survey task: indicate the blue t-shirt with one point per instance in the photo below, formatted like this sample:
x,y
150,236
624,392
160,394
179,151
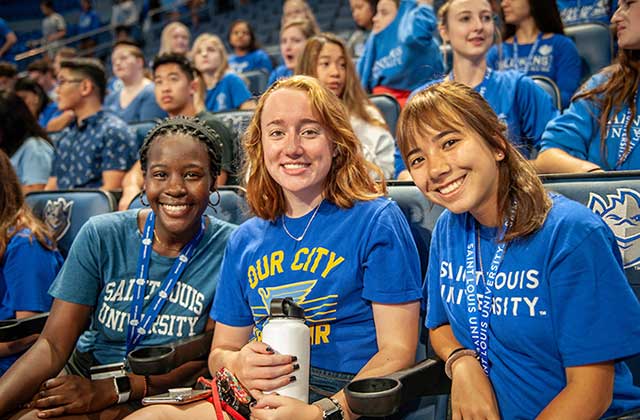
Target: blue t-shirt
x,y
577,132
32,161
4,31
555,57
88,21
347,259
280,72
255,60
142,108
404,55
100,271
586,11
229,93
561,299
26,272
102,142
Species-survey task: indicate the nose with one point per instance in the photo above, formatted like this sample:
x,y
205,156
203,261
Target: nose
x,y
175,186
293,146
477,23
438,166
616,18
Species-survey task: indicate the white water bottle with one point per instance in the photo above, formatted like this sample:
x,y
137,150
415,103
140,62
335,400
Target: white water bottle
x,y
286,333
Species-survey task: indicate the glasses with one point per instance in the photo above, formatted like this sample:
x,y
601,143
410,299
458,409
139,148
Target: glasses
x,y
65,81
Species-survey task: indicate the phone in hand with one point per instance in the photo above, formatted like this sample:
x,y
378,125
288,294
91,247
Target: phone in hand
x,y
178,398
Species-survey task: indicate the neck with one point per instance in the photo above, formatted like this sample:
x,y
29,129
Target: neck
x,y
134,81
527,31
175,243
210,79
87,108
240,51
469,71
189,110
299,206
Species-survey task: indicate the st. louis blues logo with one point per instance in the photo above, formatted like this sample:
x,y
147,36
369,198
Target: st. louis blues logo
x,y
57,216
621,212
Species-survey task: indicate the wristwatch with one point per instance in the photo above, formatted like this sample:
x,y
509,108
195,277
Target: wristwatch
x,y
331,409
123,388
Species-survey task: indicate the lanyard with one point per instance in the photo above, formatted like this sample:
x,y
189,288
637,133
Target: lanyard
x,y
479,328
622,157
482,87
140,324
527,64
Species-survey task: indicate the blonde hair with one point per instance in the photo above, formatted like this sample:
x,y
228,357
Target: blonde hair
x,y
349,178
452,105
353,95
308,15
218,45
165,38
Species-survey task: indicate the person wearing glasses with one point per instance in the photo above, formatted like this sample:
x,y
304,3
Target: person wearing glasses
x,y
97,148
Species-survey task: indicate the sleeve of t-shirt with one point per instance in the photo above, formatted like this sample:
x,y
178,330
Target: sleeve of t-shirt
x,y
492,57
573,130
595,313
120,149
38,160
61,25
536,109
568,68
436,313
239,91
28,271
264,62
4,28
149,108
230,306
79,280
391,264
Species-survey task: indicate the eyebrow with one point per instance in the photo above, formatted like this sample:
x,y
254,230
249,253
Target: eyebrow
x,y
443,134
303,121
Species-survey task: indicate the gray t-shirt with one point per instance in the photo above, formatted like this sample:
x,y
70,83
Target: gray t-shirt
x,y
52,24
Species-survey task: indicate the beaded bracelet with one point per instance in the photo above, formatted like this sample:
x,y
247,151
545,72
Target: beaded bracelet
x,y
455,355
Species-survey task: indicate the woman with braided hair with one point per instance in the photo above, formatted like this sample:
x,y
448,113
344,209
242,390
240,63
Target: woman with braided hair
x,y
100,280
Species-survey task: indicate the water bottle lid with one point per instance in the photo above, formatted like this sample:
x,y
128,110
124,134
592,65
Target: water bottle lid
x,y
285,308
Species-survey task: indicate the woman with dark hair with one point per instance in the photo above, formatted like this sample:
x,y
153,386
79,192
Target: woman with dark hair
x,y
601,128
37,100
247,54
155,268
25,142
534,44
29,261
528,302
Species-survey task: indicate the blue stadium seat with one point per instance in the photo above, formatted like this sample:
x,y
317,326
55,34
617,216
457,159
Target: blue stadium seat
x,y
232,208
594,43
390,109
258,81
65,211
549,86
140,130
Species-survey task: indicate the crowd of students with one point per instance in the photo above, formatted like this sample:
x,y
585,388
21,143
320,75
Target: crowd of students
x,y
313,161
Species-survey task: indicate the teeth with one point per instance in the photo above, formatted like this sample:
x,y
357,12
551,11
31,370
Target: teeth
x,y
173,207
451,187
295,165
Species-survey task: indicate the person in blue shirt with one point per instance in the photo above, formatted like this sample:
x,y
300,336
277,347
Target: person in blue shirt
x,y
8,39
574,12
25,142
293,36
534,44
401,53
468,26
601,128
136,100
225,89
527,300
247,54
29,261
88,21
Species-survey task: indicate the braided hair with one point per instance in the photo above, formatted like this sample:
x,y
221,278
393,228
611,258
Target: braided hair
x,y
189,127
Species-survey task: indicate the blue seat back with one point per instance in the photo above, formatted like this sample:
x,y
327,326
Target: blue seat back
x,y
549,86
390,109
258,80
594,43
65,211
232,207
140,130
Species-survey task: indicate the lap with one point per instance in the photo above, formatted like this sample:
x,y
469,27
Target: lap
x,y
196,410
112,413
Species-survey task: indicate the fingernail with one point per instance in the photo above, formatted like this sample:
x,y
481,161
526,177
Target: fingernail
x,y
269,349
296,366
294,358
292,379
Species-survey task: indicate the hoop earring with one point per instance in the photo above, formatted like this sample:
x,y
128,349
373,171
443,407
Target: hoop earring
x,y
213,205
141,198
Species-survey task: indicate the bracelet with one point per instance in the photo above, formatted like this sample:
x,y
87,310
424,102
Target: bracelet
x,y
454,356
337,403
596,169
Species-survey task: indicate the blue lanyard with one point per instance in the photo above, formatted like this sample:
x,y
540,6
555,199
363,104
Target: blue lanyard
x,y
482,87
139,324
527,64
622,157
479,328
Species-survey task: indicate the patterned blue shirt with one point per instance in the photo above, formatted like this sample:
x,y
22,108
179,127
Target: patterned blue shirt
x,y
102,142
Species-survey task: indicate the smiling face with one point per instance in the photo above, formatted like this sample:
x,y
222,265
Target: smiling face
x,y
456,168
173,90
386,11
178,183
627,21
331,68
469,27
292,42
362,13
297,151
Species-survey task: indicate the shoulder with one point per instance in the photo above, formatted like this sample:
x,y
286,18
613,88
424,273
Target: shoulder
x,y
231,78
220,227
250,233
571,222
113,123
562,41
37,145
